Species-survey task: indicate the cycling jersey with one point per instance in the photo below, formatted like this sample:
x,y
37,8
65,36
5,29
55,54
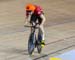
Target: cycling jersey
x,y
38,10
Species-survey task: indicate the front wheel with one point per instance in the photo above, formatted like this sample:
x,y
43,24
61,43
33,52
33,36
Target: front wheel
x,y
31,43
30,48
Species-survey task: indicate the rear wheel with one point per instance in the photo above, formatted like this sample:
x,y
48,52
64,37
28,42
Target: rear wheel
x,y
39,47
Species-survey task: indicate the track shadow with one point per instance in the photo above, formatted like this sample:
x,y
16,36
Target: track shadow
x,y
15,51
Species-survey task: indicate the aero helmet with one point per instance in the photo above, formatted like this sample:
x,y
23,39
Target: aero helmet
x,y
30,7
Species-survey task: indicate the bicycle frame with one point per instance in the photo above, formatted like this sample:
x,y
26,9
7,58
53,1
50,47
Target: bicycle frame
x,y
32,40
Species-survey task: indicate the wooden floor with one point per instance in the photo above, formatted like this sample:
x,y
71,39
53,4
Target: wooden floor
x,y
59,29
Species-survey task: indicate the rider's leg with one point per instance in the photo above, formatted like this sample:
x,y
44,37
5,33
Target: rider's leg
x,y
41,32
41,29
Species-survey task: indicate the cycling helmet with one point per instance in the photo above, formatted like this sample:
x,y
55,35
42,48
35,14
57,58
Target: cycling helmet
x,y
30,7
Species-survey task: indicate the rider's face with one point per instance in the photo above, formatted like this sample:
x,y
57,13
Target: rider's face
x,y
29,12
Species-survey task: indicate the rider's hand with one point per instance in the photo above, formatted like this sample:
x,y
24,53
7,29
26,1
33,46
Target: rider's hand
x,y
26,24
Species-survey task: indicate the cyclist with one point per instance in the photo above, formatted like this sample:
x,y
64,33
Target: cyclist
x,y
35,14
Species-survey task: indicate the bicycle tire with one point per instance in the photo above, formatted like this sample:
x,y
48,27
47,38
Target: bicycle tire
x,y
39,48
31,43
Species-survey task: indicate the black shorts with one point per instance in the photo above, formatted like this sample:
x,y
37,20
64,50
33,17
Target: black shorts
x,y
34,18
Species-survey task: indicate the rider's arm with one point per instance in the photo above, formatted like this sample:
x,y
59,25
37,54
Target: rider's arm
x,y
26,18
43,19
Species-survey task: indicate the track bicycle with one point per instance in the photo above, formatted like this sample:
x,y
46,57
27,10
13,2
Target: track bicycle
x,y
34,42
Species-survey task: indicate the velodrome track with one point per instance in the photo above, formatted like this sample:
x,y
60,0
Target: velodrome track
x,y
59,29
